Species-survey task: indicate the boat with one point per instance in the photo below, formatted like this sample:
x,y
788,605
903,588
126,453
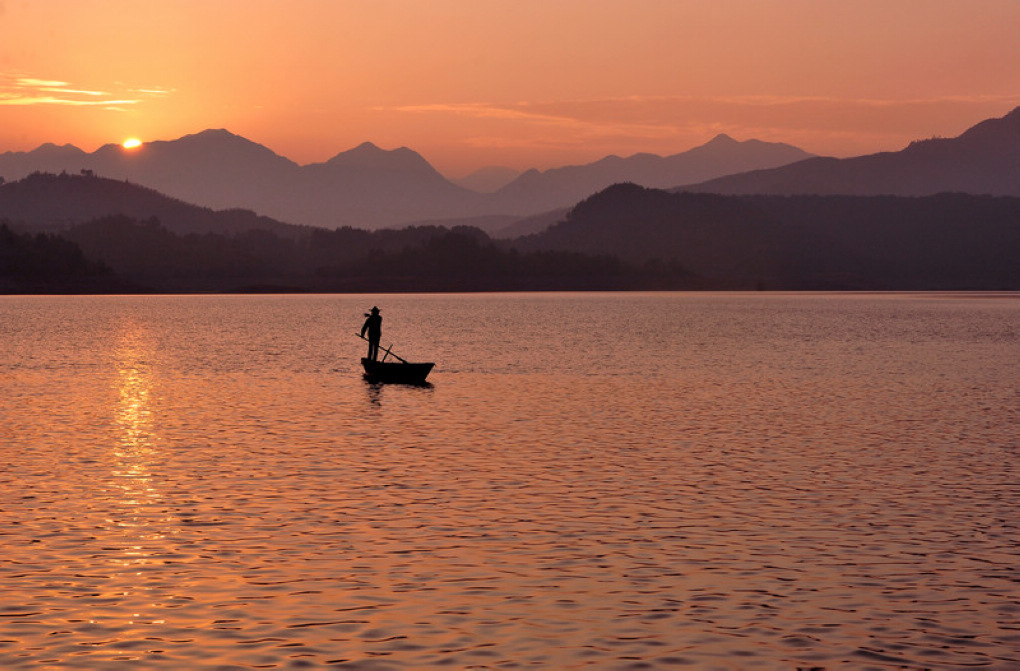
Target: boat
x,y
403,372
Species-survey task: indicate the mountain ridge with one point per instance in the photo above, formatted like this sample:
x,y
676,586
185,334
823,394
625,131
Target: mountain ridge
x,y
542,191
984,159
365,187
369,187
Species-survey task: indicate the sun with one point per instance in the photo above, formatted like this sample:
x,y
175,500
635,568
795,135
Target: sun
x,y
132,143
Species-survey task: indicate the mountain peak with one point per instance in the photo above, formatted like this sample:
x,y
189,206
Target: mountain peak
x,y
982,160
370,155
721,138
52,149
1004,127
217,135
221,146
214,132
1014,116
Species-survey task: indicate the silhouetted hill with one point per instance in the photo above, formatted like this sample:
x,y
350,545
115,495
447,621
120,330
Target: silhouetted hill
x,y
214,168
948,241
46,158
367,187
983,160
536,191
712,236
48,202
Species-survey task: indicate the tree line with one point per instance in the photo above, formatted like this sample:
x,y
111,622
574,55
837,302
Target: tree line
x,y
143,255
624,238
49,263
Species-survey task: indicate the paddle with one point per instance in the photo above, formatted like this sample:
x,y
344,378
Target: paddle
x,y
385,349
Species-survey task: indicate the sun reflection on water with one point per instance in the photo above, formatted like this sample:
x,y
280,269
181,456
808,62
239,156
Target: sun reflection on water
x,y
136,449
137,509
138,523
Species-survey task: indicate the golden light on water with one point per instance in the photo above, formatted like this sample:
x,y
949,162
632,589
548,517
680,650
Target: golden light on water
x,y
135,449
192,481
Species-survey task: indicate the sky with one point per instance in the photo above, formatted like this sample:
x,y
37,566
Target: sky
x,y
516,83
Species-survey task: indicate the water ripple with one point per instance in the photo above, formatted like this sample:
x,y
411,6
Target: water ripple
x,y
796,482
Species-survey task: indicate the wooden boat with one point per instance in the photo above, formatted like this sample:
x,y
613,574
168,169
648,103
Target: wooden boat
x,y
403,372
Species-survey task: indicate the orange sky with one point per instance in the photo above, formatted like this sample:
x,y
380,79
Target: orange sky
x,y
521,83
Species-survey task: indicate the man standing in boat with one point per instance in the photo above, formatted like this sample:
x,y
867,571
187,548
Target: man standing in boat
x,y
373,325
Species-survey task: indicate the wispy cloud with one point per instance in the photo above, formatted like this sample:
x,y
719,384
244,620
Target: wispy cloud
x,y
559,115
484,111
661,123
6,99
573,111
25,91
30,82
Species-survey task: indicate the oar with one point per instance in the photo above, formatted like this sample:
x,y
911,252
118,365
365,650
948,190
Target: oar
x,y
385,349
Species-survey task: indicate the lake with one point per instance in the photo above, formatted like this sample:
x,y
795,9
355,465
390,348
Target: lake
x,y
712,481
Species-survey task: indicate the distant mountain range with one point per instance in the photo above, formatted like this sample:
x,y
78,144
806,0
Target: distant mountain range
x,y
368,187
536,191
365,187
983,160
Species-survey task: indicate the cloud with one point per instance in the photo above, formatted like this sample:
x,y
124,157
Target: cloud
x,y
29,82
25,91
557,115
661,111
27,100
668,123
482,111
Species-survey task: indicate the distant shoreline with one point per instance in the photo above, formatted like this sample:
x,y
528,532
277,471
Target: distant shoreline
x,y
289,291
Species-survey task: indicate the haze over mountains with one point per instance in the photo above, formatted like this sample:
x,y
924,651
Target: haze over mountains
x,y
540,191
983,160
368,187
488,179
48,202
852,236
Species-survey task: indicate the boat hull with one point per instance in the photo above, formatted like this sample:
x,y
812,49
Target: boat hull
x,y
392,371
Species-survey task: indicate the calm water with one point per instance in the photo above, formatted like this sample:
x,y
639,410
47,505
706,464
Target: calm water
x,y
608,481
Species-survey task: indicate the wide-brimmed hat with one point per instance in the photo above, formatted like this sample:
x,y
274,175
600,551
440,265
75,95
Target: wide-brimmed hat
x,y
375,310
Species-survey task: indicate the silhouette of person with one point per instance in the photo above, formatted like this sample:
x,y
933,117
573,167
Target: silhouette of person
x,y
373,324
